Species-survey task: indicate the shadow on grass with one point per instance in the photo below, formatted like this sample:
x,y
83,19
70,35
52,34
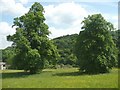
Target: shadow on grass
x,y
70,74
77,73
19,74
15,75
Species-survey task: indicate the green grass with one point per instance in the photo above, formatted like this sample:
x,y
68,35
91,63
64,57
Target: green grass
x,y
59,78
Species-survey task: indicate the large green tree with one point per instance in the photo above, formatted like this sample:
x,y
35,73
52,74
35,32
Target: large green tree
x,y
95,48
31,41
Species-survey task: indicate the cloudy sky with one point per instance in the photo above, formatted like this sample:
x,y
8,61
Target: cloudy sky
x,y
62,17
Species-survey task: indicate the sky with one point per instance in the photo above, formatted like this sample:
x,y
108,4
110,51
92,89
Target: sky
x,y
62,16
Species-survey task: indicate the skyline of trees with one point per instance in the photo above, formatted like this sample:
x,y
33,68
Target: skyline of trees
x,y
33,49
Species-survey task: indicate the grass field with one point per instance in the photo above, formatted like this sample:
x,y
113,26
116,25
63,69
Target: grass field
x,y
59,78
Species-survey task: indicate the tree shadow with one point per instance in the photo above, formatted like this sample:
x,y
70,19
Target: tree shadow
x,y
14,75
77,73
18,74
71,74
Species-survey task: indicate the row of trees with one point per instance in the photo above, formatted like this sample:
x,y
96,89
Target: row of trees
x,y
93,50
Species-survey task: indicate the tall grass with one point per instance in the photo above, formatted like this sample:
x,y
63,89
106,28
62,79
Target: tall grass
x,y
59,78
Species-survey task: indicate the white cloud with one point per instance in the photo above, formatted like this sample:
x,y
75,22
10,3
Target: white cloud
x,y
60,32
4,43
115,18
116,25
74,0
65,13
64,18
5,30
24,1
10,6
15,9
112,18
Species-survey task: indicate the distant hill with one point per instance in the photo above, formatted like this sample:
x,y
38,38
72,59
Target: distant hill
x,y
0,55
65,45
116,38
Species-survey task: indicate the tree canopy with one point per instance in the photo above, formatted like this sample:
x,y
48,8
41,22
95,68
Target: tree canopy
x,y
31,41
95,48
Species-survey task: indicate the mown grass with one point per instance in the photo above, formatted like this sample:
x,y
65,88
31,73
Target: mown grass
x,y
59,78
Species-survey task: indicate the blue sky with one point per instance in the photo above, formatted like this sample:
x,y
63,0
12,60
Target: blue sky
x,y
62,17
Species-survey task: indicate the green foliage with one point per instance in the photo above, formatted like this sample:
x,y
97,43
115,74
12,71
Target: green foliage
x,y
0,55
118,45
95,49
8,54
65,46
116,38
34,62
31,42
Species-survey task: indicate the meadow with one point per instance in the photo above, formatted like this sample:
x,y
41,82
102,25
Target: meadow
x,y
59,78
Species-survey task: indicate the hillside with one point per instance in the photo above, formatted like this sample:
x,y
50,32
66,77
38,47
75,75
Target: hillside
x,y
65,45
